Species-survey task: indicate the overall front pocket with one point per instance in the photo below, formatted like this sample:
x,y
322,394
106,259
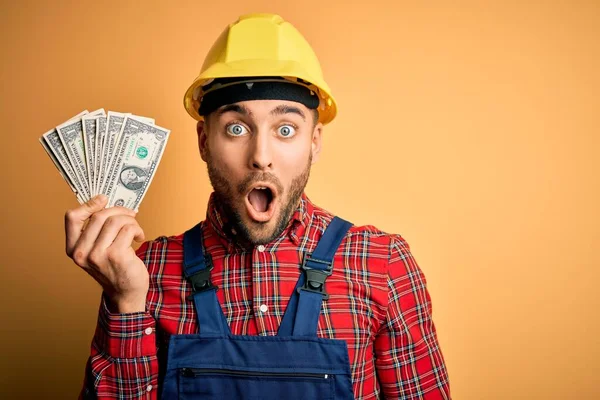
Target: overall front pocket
x,y
220,383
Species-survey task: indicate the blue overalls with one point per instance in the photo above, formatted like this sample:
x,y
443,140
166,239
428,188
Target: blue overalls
x,y
295,364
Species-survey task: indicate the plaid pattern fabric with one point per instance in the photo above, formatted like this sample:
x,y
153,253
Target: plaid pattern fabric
x,y
378,304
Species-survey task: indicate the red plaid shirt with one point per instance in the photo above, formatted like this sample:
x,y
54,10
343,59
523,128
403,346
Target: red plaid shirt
x,y
378,304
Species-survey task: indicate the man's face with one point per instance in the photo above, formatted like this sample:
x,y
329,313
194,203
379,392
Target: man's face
x,y
259,154
128,176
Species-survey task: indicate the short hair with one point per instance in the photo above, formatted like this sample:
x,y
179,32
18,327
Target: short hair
x,y
315,114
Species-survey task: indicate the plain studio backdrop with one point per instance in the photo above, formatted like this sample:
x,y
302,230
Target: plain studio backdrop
x,y
471,128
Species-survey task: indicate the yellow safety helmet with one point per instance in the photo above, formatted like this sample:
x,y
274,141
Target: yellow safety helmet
x,y
262,45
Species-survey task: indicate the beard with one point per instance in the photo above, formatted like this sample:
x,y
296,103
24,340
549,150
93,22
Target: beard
x,y
226,194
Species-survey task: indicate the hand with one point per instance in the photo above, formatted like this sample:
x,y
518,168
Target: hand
x,y
99,241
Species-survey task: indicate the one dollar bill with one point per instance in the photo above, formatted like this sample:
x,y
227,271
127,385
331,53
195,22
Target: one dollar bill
x,y
140,149
71,137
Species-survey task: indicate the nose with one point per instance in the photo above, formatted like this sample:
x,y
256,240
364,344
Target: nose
x,y
261,154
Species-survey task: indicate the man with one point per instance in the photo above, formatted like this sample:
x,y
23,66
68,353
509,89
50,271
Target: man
x,y
133,178
270,296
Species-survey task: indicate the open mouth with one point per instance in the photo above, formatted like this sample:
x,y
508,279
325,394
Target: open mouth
x,y
260,202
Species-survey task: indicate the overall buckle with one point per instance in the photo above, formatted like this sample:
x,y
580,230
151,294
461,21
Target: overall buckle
x,y
200,281
314,281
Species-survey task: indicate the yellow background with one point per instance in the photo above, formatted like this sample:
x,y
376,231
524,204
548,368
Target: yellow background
x,y
470,128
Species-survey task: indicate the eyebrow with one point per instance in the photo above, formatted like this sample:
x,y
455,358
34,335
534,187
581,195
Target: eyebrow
x,y
279,110
235,108
284,109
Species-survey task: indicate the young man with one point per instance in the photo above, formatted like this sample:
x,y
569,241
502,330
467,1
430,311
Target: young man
x,y
271,296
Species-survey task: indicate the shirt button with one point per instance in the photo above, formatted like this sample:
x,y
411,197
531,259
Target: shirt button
x,y
264,308
148,331
149,388
261,248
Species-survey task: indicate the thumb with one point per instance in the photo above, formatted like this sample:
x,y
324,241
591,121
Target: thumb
x,y
91,206
75,218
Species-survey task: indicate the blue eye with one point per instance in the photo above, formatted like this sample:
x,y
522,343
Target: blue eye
x,y
287,131
236,130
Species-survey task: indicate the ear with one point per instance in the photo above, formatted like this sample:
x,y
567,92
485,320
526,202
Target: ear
x,y
316,142
202,139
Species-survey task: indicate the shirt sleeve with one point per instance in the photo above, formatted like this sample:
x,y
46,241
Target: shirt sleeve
x,y
409,360
123,362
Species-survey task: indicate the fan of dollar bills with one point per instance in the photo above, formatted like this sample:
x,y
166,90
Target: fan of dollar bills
x,y
115,154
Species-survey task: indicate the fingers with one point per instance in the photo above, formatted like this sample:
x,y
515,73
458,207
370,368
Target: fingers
x,y
87,239
126,236
111,229
112,249
76,217
97,256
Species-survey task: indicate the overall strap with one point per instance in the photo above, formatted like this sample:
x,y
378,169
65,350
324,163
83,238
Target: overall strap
x,y
196,269
302,314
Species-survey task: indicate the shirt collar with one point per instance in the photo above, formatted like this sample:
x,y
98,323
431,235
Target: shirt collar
x,y
295,230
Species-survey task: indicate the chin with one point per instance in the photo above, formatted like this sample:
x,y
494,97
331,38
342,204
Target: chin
x,y
259,232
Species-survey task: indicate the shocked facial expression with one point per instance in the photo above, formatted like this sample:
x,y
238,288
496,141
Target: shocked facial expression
x,y
259,154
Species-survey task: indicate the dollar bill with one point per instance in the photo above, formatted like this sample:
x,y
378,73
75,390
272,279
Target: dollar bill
x,y
89,143
71,137
147,120
51,141
61,170
140,149
100,133
111,139
114,123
